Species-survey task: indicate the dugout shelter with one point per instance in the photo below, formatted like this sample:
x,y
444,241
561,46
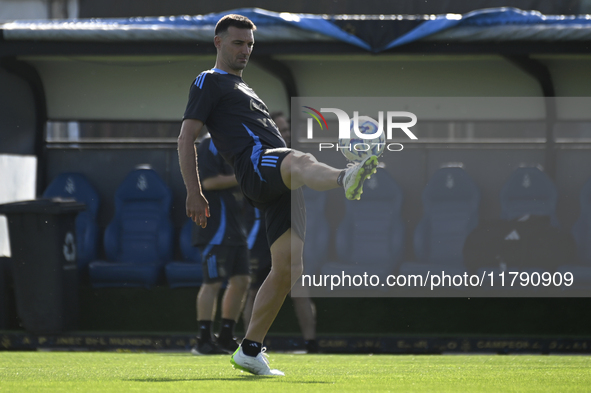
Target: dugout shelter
x,y
102,96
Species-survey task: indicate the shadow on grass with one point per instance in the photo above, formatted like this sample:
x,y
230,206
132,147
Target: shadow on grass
x,y
247,378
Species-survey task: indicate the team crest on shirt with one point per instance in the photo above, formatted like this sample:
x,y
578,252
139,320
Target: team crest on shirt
x,y
258,106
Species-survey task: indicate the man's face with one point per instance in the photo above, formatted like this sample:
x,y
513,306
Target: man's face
x,y
234,47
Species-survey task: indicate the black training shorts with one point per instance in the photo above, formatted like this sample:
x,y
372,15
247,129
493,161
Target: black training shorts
x,y
223,262
264,188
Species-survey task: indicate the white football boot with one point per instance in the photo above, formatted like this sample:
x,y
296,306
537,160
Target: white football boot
x,y
356,174
258,365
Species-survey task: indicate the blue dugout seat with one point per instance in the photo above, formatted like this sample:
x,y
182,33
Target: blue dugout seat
x,y
189,272
138,241
370,238
528,190
77,186
451,202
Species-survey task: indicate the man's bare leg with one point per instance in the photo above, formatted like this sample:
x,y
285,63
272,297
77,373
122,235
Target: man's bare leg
x,y
298,169
304,308
276,286
306,313
232,304
207,301
247,313
234,297
206,309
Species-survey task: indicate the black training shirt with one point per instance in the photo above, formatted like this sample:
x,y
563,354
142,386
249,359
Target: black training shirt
x,y
237,119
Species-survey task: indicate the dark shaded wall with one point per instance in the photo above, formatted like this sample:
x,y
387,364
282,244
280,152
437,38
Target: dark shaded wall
x,y
17,115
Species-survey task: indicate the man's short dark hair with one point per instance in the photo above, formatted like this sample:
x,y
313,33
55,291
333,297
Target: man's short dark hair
x,y
239,21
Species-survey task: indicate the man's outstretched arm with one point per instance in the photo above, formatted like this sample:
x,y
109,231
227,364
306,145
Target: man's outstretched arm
x,y
196,205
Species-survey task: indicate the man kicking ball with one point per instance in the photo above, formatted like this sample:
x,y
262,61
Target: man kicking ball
x,y
269,174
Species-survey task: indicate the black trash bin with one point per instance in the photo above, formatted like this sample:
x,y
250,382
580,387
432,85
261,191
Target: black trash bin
x,y
43,246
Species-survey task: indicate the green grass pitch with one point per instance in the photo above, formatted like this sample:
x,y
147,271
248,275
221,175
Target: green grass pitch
x,y
180,372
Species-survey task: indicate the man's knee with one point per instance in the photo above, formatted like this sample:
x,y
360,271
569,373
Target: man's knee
x,y
286,255
210,289
300,161
240,282
281,265
287,269
294,166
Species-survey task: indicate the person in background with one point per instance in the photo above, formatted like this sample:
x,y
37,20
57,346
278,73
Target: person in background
x,y
224,253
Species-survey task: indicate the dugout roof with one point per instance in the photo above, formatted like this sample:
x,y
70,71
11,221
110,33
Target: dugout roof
x,y
489,30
